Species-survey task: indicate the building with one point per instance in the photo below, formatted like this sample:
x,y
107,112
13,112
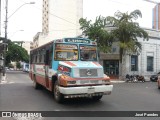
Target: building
x,y
38,40
60,19
146,63
156,17
27,45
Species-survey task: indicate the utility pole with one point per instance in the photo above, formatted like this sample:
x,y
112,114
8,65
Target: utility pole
x,y
1,55
6,20
0,18
5,41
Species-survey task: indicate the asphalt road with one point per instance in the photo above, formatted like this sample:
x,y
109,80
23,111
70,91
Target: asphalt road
x,y
18,94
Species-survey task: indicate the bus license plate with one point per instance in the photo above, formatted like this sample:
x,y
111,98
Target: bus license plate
x,y
91,90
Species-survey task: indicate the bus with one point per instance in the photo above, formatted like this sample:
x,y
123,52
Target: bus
x,y
69,68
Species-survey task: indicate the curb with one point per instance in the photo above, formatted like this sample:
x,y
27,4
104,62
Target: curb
x,y
115,81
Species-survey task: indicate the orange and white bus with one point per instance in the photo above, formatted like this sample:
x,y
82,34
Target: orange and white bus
x,y
69,68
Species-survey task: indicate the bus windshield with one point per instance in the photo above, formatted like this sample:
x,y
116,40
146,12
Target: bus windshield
x,y
88,53
66,52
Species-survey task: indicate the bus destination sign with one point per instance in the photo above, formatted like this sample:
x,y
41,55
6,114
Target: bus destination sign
x,y
77,40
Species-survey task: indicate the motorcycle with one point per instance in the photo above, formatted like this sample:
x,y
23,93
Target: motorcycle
x,y
140,78
131,78
135,78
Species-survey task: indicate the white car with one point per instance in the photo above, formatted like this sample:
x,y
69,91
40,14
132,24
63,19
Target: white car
x,y
11,68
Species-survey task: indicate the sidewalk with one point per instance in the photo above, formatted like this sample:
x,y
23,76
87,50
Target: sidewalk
x,y
122,81
117,81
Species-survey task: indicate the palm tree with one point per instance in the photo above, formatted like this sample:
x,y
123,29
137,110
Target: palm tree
x,y
127,31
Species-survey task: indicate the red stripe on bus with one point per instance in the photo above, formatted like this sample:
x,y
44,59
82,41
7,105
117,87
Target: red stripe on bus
x,y
70,63
96,63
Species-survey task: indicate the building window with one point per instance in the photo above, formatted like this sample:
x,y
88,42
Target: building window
x,y
149,63
134,63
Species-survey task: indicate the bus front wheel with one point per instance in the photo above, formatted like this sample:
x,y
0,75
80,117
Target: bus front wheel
x,y
57,95
97,97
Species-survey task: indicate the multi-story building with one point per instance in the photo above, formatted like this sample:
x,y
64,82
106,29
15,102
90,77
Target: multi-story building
x,y
60,19
38,40
156,17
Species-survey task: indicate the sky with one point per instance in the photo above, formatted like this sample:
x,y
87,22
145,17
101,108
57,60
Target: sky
x,y
27,21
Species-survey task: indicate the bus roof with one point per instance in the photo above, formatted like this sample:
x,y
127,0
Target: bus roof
x,y
66,40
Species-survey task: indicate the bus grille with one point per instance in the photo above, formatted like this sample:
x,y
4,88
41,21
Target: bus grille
x,y
88,73
89,81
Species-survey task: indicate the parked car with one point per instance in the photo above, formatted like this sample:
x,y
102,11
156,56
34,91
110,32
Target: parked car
x,y
154,78
11,68
6,68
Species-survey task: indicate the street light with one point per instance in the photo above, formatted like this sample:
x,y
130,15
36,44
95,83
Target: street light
x,y
6,25
19,8
15,33
6,17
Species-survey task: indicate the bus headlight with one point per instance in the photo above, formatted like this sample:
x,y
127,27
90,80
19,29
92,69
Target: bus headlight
x,y
71,82
66,80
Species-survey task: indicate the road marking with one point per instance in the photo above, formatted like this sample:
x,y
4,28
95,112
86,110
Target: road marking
x,y
5,82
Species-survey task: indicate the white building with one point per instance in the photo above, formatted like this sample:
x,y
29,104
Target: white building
x,y
146,63
60,19
27,45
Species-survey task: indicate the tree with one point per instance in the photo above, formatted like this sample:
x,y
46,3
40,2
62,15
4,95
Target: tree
x,y
97,32
126,34
16,53
18,65
127,31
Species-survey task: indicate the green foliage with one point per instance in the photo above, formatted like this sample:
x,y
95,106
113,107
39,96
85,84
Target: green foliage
x,y
10,65
125,33
96,31
18,65
16,53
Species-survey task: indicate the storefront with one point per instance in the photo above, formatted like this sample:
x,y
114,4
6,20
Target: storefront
x,y
110,64
111,67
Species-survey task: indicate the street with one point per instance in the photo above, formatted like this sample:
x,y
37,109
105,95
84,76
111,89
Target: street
x,y
18,94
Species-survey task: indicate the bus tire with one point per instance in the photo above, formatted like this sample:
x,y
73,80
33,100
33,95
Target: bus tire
x,y
158,86
35,84
57,95
96,98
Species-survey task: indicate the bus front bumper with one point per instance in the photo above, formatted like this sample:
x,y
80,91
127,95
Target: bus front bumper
x,y
86,91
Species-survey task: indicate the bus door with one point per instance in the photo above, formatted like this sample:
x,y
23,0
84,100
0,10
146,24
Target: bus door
x,y
47,68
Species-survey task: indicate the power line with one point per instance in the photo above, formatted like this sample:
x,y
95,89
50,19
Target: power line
x,y
54,15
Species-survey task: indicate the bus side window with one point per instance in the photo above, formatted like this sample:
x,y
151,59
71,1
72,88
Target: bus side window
x,y
44,58
50,59
47,58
